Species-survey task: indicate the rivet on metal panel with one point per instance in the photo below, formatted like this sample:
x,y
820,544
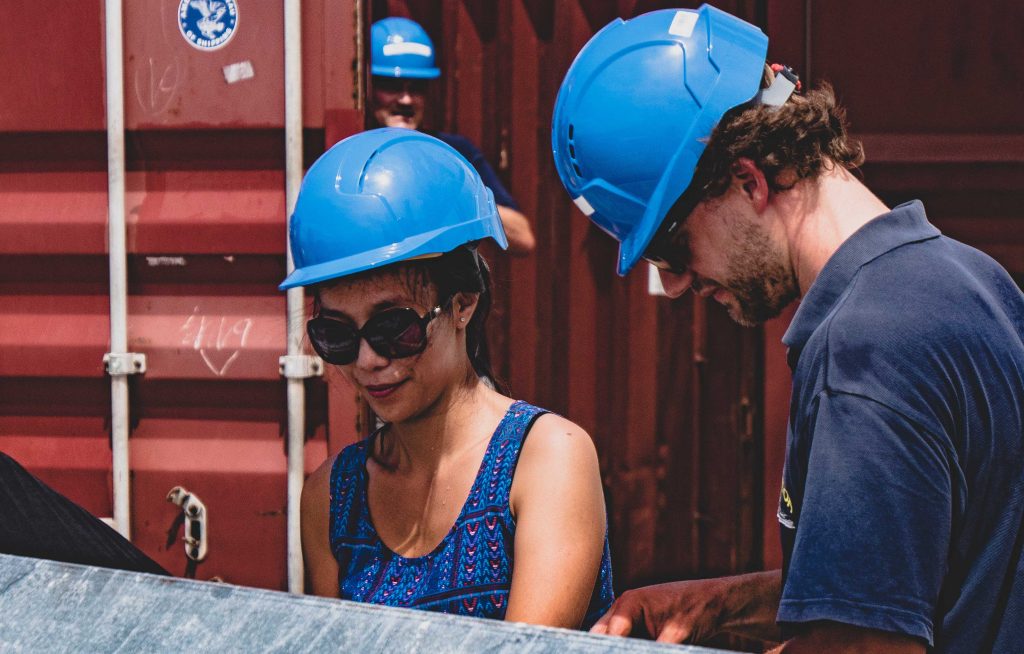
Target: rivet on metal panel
x,y
661,469
503,151
301,366
746,420
124,363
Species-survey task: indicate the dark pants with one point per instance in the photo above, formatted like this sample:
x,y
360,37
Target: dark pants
x,y
39,522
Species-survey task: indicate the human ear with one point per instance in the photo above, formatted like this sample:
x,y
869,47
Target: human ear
x,y
463,307
752,181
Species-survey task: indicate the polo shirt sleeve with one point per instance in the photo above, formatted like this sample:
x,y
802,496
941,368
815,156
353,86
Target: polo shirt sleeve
x,y
490,178
874,521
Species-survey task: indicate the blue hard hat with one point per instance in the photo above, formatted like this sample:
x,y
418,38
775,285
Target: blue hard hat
x,y
400,47
384,196
636,108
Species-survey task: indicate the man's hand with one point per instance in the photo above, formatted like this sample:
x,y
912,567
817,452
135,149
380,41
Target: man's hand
x,y
696,610
673,612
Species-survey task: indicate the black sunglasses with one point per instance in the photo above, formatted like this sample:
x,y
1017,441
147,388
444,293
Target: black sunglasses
x,y
400,84
669,248
665,250
393,334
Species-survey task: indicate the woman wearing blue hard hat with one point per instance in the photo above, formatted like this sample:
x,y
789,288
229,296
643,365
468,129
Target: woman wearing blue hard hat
x,y
449,506
402,64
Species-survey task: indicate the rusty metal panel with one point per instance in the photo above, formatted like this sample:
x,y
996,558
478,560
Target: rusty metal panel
x,y
170,83
55,67
206,238
45,75
942,124
777,383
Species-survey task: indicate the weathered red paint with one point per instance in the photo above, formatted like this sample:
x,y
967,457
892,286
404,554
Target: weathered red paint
x,y
205,201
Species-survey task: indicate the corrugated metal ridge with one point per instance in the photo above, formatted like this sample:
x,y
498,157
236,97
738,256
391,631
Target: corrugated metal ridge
x,y
184,337
66,607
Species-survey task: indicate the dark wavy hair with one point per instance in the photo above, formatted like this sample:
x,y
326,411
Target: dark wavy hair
x,y
799,140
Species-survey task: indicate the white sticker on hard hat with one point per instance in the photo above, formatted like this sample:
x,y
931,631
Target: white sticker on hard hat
x,y
407,48
778,93
584,206
683,24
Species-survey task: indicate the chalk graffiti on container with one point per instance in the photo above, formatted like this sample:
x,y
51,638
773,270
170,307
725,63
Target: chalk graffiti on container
x,y
218,340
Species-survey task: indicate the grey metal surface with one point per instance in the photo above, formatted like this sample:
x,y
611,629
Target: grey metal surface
x,y
62,607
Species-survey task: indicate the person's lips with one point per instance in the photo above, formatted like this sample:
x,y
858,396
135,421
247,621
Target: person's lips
x,y
381,391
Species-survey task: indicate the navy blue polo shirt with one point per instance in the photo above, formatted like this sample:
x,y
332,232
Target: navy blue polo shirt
x,y
903,490
473,155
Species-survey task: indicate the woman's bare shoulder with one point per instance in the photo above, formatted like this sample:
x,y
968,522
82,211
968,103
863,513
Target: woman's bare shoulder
x,y
558,460
557,455
553,436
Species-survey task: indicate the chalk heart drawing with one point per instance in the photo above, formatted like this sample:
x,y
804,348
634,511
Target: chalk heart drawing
x,y
219,340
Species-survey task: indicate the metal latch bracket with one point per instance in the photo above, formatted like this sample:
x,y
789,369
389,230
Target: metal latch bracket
x,y
120,364
301,366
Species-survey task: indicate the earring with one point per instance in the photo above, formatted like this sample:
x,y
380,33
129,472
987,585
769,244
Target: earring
x,y
462,320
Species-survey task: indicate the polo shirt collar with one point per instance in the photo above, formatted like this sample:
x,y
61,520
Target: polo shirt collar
x,y
906,223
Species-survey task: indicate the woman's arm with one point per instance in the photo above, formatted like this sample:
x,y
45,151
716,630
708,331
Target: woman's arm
x,y
558,504
321,566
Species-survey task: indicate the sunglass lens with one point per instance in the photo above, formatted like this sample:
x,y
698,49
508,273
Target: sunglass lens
x,y
668,252
334,341
396,333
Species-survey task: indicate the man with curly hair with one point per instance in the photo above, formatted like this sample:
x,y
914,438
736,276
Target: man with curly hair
x,y
902,507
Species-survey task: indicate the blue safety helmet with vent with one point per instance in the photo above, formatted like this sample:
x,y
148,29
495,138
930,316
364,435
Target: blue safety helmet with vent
x,y
400,47
384,196
635,111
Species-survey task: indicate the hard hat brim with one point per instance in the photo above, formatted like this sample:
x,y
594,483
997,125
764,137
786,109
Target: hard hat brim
x,y
420,246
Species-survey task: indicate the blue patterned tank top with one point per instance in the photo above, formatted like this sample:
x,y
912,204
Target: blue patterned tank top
x,y
470,571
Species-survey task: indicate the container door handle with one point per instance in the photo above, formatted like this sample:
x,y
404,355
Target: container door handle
x,y
193,516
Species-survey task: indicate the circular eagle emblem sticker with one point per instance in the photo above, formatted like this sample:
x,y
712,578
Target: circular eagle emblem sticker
x,y
207,24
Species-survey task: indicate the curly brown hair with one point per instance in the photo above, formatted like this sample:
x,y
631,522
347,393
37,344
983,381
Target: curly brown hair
x,y
798,140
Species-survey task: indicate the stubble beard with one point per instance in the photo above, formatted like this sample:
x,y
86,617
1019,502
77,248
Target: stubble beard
x,y
760,280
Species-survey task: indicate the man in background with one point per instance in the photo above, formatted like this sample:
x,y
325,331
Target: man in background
x,y
402,63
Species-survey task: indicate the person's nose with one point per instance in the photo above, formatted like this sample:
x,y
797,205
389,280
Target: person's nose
x,y
368,359
676,284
